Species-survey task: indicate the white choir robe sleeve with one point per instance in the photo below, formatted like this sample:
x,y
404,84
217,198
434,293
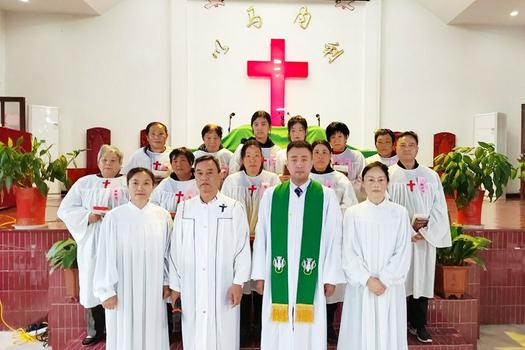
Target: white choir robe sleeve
x,y
437,232
396,269
354,265
167,253
106,273
349,197
73,214
175,262
332,228
259,245
235,161
357,182
242,261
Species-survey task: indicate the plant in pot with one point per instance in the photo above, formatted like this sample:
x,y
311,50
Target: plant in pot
x,y
63,254
453,262
27,172
467,172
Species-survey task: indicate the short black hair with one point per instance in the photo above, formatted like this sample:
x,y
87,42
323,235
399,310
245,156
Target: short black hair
x,y
411,134
381,132
206,158
261,114
376,164
211,127
297,119
155,123
322,142
245,146
299,144
137,170
334,127
182,151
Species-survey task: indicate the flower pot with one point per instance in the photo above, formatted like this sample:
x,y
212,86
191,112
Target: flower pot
x,y
471,214
451,281
452,208
30,207
71,283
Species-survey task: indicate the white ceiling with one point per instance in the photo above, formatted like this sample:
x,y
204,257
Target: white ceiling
x,y
479,12
75,7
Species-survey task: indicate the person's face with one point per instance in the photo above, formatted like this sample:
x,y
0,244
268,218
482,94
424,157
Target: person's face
x,y
261,129
140,187
338,141
384,146
109,165
212,141
297,132
181,166
407,148
207,176
321,157
375,183
299,163
253,160
157,137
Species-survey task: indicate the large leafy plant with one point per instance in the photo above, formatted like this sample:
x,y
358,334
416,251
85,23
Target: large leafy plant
x,y
63,254
25,169
464,249
465,170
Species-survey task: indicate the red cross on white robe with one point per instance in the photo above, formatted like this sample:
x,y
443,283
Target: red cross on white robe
x,y
411,185
277,69
252,189
179,196
156,165
106,183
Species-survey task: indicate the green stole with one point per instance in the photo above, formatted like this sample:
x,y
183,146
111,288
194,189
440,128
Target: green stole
x,y
309,260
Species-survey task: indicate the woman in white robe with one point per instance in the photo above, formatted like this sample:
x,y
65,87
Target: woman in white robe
x,y
82,210
247,186
180,185
131,273
376,259
261,123
155,156
327,176
211,136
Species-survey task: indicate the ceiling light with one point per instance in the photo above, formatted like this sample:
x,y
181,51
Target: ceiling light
x,y
23,0
514,13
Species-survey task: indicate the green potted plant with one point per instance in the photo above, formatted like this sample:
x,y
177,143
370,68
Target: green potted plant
x,y
27,173
466,172
63,254
453,262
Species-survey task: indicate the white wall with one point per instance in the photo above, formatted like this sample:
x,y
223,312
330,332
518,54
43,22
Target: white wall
x,y
2,53
437,77
110,71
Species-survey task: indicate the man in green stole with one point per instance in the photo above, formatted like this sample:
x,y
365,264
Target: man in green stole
x,y
297,256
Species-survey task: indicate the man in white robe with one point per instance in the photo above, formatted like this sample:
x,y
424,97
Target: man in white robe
x,y
419,190
131,273
209,262
287,331
376,260
385,145
82,210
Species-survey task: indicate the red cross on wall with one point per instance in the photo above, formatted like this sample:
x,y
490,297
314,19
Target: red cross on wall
x,y
277,69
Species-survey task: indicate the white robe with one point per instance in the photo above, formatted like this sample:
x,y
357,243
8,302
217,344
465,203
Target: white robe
x,y
346,197
420,192
376,243
132,263
224,156
210,251
292,335
281,161
158,163
386,161
269,154
352,163
170,193
74,210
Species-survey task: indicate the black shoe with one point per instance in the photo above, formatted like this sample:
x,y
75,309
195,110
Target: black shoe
x,y
90,341
423,335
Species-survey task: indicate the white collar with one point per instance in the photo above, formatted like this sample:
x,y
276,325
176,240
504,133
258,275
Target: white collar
x,y
303,187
